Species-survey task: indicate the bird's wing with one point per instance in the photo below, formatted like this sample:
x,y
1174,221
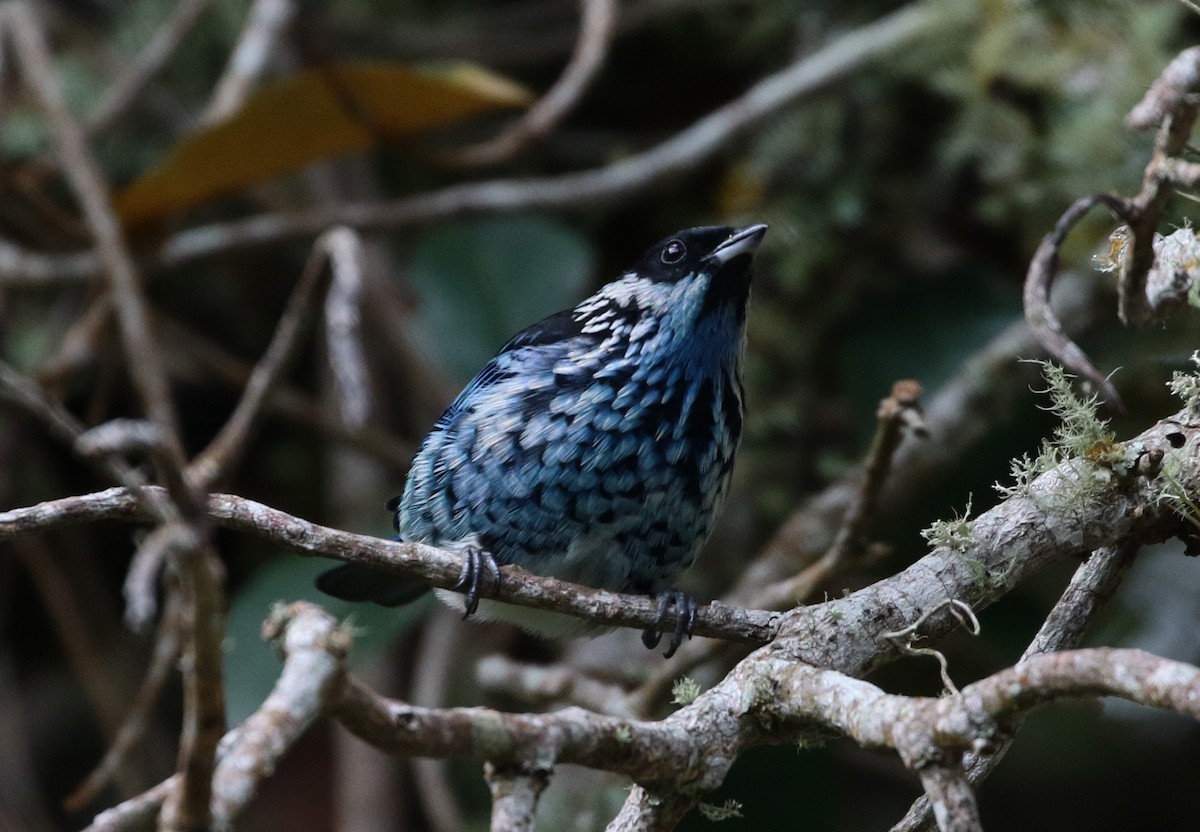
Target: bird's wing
x,y
559,328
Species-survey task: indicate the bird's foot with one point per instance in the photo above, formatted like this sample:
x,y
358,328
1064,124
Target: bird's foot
x,y
685,620
478,567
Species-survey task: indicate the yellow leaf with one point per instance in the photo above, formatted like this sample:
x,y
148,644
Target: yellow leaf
x,y
314,114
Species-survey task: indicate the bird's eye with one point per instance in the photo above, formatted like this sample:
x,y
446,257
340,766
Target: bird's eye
x,y
673,252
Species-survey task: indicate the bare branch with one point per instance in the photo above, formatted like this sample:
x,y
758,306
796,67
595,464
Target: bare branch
x,y
344,252
265,24
1077,505
514,797
62,424
632,175
595,35
550,684
200,575
214,462
146,65
955,419
650,811
92,192
436,566
952,798
1093,583
1043,268
695,745
898,412
162,662
313,648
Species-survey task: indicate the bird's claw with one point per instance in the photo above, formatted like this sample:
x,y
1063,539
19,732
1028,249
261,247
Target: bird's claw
x,y
478,566
685,620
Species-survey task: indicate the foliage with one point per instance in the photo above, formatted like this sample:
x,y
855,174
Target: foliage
x,y
904,199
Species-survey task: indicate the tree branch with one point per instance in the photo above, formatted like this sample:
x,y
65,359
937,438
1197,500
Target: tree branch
x,y
595,34
632,175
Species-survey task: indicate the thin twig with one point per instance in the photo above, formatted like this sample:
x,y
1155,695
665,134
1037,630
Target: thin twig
x,y
1170,104
314,648
906,637
343,250
1093,584
433,672
632,175
897,413
162,662
90,189
952,798
1039,314
283,401
515,797
265,24
200,575
213,464
146,65
595,34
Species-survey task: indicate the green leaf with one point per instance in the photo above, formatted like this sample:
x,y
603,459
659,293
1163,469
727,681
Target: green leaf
x,y
483,281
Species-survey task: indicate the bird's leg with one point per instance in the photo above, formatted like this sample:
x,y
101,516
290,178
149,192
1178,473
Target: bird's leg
x,y
478,566
685,620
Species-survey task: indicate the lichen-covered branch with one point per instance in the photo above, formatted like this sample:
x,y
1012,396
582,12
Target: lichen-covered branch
x,y
1146,293
770,698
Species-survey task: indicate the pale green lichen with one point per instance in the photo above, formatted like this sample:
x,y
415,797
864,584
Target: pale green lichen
x,y
955,534
1186,386
1081,434
729,809
1176,467
684,691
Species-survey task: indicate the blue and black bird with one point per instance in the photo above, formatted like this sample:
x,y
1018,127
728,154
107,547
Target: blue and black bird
x,y
596,446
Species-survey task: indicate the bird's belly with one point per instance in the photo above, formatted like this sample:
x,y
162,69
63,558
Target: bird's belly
x,y
618,499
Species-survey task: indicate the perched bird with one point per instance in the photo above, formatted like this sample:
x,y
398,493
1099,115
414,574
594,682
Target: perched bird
x,y
596,446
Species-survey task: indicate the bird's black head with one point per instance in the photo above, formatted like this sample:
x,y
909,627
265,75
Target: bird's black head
x,y
708,249
692,285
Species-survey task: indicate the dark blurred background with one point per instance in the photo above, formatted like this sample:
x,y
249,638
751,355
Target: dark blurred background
x,y
904,203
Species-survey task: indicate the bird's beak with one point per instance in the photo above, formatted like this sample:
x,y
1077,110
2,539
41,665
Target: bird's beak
x,y
742,241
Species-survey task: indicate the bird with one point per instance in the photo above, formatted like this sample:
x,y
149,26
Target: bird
x,y
597,446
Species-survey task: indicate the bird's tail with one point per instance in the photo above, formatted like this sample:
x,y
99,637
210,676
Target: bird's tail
x,y
354,582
